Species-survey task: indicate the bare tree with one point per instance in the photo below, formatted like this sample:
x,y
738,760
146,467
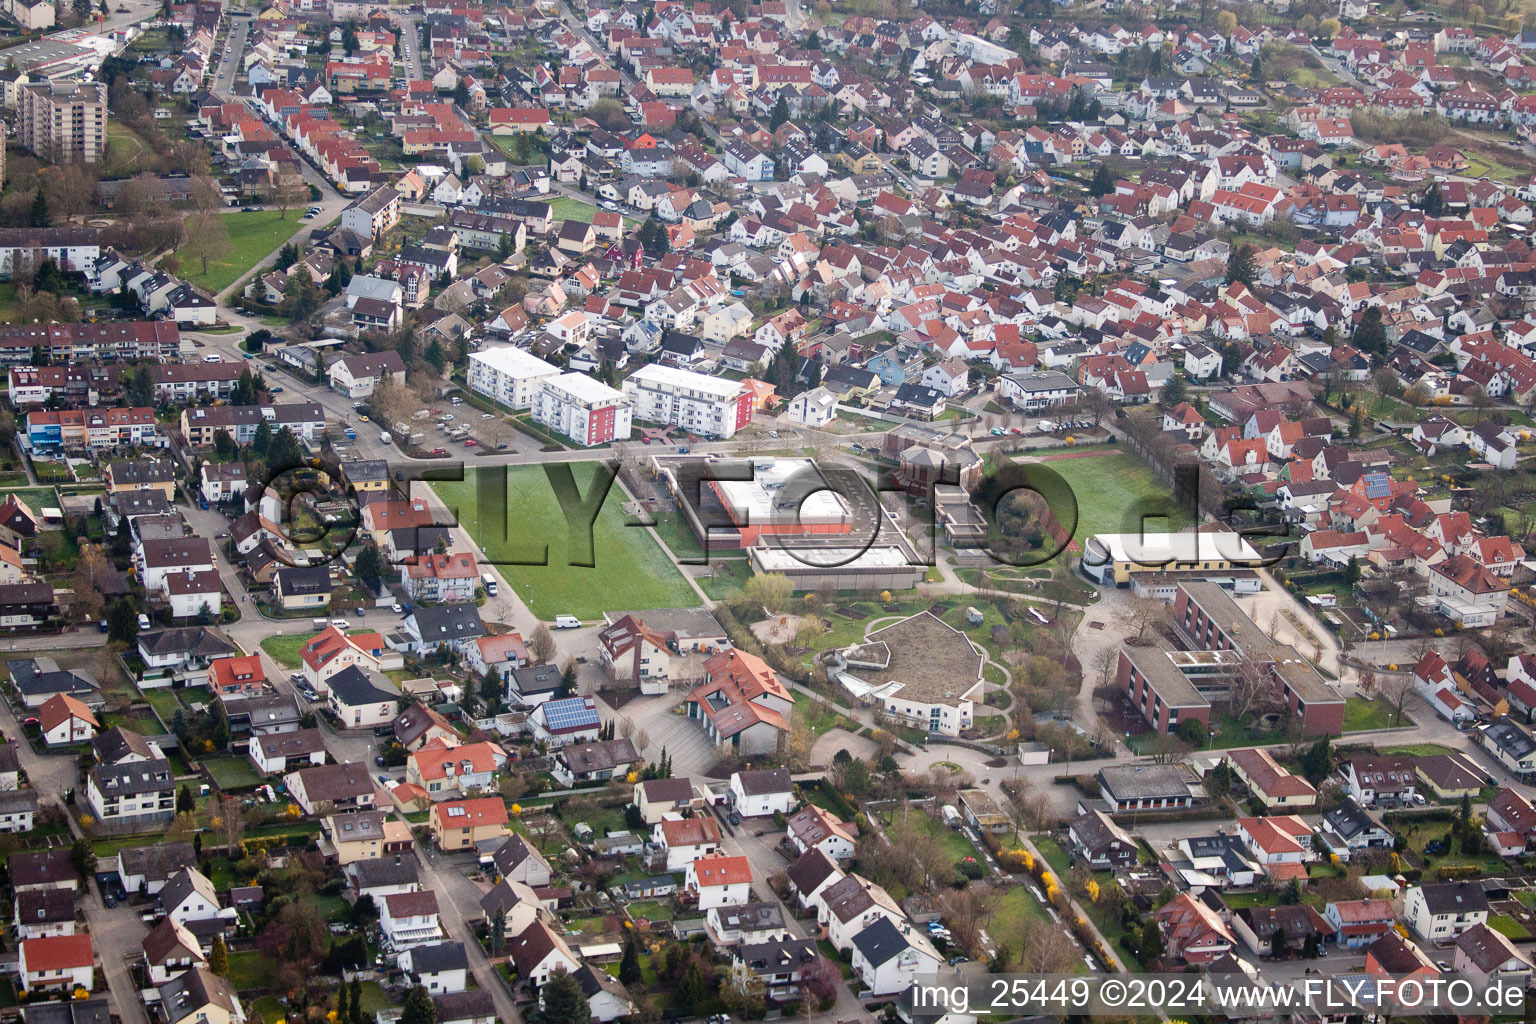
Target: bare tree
x,y
207,238
1047,949
288,188
1147,614
1166,749
966,912
542,645
1251,693
1394,690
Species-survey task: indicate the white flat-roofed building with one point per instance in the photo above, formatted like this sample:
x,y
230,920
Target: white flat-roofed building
x,y
784,496
1111,558
878,567
697,402
584,409
509,375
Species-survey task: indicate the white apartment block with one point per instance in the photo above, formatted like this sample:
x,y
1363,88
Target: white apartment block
x,y
696,402
583,409
511,376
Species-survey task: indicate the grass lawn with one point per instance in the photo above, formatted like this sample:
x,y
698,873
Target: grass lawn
x,y
285,649
252,237
250,970
165,702
1362,714
652,910
232,773
270,1010
1054,855
372,997
520,521
1113,492
1012,915
823,718
1508,927
1418,749
954,842
566,208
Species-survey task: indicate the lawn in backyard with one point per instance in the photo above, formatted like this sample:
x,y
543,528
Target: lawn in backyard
x,y
251,970
523,523
232,773
1112,491
954,842
1508,927
1015,911
252,237
285,649
1362,714
566,208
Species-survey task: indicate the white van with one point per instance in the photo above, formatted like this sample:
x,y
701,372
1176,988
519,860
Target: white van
x,y
144,622
567,622
341,624
318,624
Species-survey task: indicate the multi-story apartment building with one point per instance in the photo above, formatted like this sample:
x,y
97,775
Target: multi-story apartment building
x,y
63,121
371,215
200,426
698,403
185,381
137,791
71,248
155,341
583,409
52,430
511,376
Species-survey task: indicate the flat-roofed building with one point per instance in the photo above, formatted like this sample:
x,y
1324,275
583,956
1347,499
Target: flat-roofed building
x,y
582,408
1112,558
511,376
63,122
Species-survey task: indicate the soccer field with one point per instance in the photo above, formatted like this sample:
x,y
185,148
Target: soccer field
x,y
1112,491
628,571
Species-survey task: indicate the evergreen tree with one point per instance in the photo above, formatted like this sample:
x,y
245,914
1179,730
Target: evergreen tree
x,y
498,929
1317,762
629,967
122,622
1174,390
1433,202
691,990
218,957
418,1007
224,445
245,389
369,568
780,112
284,453
435,355
262,440
1103,181
1352,571
186,803
357,1000
1240,265
39,214
1371,334
563,1001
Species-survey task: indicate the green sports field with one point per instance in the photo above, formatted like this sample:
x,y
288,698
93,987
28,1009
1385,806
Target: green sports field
x,y
1113,491
522,524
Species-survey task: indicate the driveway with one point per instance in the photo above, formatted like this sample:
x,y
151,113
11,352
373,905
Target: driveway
x,y
117,933
444,876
